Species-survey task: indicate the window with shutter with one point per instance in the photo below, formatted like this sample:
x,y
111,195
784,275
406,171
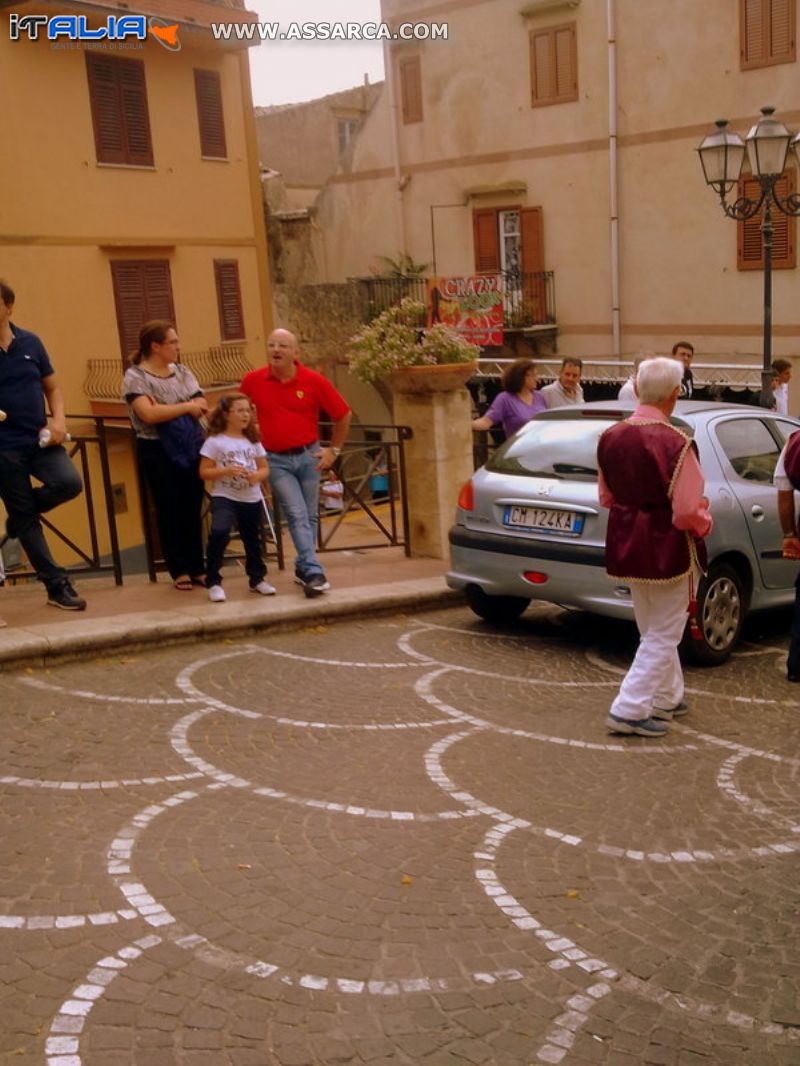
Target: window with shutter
x,y
118,98
410,70
486,231
229,299
750,247
142,292
208,91
766,32
554,65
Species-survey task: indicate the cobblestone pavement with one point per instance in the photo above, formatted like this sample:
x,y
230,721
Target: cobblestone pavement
x,y
402,840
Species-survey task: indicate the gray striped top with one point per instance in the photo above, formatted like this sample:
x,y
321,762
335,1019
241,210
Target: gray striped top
x,y
180,386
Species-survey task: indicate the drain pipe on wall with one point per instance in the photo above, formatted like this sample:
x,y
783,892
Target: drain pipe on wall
x,y
612,175
399,181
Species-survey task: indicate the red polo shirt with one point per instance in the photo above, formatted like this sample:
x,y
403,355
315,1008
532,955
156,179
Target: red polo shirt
x,y
288,411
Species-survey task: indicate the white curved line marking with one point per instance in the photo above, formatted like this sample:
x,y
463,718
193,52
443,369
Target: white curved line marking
x,y
47,686
403,642
90,786
185,683
593,656
422,687
180,742
119,867
62,1046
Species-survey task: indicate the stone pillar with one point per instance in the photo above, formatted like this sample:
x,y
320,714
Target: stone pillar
x,y
438,460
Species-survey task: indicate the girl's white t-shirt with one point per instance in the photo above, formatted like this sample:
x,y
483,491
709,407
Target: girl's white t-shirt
x,y
234,451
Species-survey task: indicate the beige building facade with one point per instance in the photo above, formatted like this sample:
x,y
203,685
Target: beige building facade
x,y
130,191
564,133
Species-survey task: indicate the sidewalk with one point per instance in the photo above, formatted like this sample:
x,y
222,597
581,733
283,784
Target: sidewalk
x,y
141,613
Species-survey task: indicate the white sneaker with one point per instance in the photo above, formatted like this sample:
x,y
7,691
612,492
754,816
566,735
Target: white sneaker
x,y
216,594
263,588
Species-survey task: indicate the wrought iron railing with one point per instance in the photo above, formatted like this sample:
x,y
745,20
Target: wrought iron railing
x,y
372,471
225,364
528,298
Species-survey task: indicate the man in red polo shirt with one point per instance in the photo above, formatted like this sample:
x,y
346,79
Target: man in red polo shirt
x,y
289,399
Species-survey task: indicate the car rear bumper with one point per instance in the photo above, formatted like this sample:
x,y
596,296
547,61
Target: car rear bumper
x,y
576,575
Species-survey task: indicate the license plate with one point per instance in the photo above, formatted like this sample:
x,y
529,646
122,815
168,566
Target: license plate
x,y
544,519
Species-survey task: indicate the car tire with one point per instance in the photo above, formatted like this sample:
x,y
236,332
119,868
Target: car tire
x,y
721,606
495,609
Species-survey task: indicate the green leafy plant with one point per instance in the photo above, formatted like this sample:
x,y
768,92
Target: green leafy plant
x,y
397,338
402,267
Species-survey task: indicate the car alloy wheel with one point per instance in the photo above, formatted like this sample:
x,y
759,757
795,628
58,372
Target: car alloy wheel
x,y
720,614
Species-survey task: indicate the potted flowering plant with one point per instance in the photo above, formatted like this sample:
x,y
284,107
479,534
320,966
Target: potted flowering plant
x,y
397,347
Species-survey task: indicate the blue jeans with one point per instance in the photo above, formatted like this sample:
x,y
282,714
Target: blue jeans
x,y
295,483
225,514
60,481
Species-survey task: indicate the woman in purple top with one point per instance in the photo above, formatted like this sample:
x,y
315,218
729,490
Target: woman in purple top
x,y
517,403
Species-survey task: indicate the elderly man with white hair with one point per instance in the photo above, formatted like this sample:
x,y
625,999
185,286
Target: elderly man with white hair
x,y
650,479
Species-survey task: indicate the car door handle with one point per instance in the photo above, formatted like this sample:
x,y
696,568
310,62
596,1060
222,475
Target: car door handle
x,y
757,512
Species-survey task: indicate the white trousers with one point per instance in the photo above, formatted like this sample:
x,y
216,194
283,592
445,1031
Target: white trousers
x,y
655,679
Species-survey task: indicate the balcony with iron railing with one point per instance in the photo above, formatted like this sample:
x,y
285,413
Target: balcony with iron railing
x,y
528,299
217,368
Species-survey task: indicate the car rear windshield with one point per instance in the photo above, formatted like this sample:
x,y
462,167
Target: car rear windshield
x,y
557,447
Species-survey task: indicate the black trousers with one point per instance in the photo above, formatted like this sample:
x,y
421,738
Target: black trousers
x,y
178,498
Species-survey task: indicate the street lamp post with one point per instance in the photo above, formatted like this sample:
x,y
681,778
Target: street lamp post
x,y
721,156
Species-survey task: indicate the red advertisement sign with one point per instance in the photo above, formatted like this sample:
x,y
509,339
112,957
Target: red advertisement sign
x,y
473,306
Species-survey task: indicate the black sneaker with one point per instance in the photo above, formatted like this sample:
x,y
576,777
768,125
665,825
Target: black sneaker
x,y
63,595
316,585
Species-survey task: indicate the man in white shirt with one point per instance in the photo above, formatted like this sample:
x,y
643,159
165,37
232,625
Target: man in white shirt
x,y
567,389
781,376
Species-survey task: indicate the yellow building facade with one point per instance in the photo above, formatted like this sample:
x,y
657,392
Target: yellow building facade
x,y
131,191
589,111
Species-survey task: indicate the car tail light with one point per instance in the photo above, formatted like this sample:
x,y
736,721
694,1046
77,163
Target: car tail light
x,y
466,498
536,577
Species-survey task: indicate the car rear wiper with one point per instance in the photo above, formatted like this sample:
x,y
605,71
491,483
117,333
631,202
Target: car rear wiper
x,y
574,468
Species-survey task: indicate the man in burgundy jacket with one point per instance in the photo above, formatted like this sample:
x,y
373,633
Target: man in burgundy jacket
x,y
651,480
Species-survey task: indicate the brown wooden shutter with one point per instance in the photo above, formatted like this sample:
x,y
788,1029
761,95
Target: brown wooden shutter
x,y
751,31
410,70
229,299
118,97
532,231
767,32
750,247
210,116
534,289
142,292
782,31
487,245
543,84
554,65
104,97
566,65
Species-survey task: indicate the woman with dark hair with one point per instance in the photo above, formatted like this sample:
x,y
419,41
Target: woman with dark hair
x,y
517,403
165,404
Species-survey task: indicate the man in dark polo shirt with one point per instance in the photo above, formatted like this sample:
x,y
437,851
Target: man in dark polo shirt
x,y
26,381
289,399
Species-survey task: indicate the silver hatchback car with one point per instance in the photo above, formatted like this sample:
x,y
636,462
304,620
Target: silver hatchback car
x,y
529,525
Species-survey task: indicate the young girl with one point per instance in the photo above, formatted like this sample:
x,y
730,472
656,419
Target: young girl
x,y
235,463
